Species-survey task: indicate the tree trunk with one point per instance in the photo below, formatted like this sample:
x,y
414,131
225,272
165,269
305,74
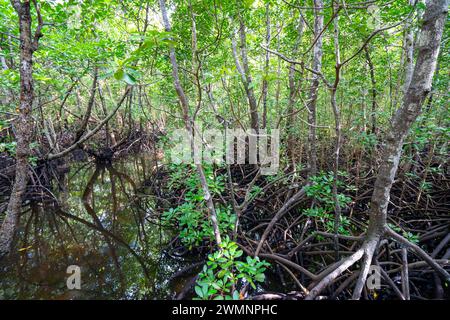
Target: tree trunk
x,y
85,137
190,125
316,66
337,128
291,120
374,91
23,124
409,50
244,72
420,86
87,114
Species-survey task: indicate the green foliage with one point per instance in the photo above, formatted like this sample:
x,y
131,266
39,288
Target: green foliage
x,y
224,271
125,74
321,189
427,129
194,224
9,147
256,190
185,176
414,238
126,43
191,217
367,140
327,220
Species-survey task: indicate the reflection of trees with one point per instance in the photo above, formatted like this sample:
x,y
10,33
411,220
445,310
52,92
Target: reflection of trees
x,y
88,194
55,235
97,225
33,266
109,235
138,208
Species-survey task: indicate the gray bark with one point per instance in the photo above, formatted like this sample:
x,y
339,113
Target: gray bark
x,y
244,72
337,120
373,118
292,95
409,50
316,66
265,84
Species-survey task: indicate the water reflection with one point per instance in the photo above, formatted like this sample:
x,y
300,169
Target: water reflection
x,y
104,222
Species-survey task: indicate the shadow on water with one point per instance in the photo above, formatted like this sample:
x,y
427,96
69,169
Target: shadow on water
x,y
104,222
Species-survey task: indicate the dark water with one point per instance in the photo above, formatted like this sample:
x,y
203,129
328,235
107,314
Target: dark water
x,y
105,223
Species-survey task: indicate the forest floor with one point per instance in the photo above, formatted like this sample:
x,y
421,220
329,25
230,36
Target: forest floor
x,y
301,245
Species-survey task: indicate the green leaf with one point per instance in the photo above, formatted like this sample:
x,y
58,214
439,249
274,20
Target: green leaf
x,y
260,277
199,291
119,74
128,78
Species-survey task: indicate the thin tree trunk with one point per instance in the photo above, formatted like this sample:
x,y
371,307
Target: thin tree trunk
x,y
189,125
87,114
316,66
292,94
244,72
278,87
53,156
265,84
374,91
105,113
337,121
409,50
420,85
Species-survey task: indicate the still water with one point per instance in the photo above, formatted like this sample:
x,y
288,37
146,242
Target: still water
x,y
106,223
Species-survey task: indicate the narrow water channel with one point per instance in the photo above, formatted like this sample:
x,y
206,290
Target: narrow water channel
x,y
104,222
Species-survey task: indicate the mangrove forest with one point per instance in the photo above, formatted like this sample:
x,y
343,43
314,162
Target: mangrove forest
x,y
224,150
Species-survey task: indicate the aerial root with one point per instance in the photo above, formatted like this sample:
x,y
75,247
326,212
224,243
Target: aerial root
x,y
366,252
420,253
340,268
369,250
